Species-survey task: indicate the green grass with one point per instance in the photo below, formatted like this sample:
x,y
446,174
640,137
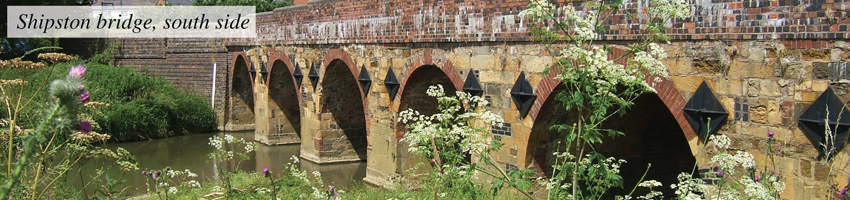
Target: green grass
x,y
141,106
245,185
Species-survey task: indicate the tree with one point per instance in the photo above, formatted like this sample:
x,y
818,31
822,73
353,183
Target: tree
x,y
261,5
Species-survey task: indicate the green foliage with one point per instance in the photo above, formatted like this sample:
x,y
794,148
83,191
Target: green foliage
x,y
111,188
288,185
597,85
448,138
105,56
62,139
261,5
147,107
16,47
140,106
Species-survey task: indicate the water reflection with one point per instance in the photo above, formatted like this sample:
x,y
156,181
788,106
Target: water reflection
x,y
191,152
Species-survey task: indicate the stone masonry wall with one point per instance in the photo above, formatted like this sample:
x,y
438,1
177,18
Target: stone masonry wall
x,y
766,86
776,95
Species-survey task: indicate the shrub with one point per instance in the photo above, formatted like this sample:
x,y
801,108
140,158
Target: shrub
x,y
141,106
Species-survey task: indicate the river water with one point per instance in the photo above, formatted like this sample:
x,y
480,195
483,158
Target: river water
x,y
191,152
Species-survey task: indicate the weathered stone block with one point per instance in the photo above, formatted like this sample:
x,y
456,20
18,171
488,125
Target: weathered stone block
x,y
485,62
770,88
460,62
708,66
535,64
750,70
756,53
729,86
511,116
774,114
822,171
820,85
806,168
689,84
511,64
845,57
820,70
677,66
758,113
817,54
806,96
491,76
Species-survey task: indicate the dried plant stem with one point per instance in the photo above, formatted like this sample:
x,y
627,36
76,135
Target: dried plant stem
x,y
28,151
436,162
57,177
40,165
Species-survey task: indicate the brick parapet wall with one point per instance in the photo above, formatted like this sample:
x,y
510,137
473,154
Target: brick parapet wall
x,y
186,63
372,21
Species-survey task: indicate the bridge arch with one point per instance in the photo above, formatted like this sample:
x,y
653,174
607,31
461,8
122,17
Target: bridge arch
x,y
343,108
419,73
666,91
424,58
241,104
284,117
655,127
413,96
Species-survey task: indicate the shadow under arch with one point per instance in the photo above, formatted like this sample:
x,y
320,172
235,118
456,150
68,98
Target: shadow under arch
x,y
652,135
414,97
285,112
342,110
241,94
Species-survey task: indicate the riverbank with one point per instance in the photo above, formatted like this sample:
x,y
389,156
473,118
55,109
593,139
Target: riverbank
x,y
141,106
256,185
290,176
191,152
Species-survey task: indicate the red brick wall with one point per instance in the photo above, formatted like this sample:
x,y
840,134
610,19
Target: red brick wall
x,y
373,21
186,63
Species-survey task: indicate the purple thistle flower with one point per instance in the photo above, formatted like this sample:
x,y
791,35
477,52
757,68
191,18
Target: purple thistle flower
x,y
843,191
335,195
81,87
719,173
757,178
144,172
772,171
84,97
78,71
266,170
153,175
84,126
770,134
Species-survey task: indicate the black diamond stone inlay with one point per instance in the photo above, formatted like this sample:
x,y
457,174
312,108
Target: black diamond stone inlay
x,y
826,110
298,75
472,86
392,84
705,112
523,94
365,80
314,76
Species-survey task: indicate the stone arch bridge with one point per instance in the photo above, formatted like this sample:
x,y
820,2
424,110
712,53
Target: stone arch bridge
x,y
333,75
